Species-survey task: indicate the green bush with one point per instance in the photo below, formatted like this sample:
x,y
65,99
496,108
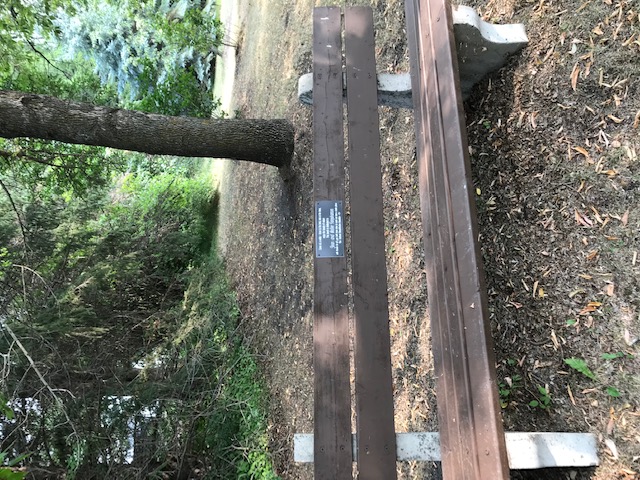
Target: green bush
x,y
231,430
128,275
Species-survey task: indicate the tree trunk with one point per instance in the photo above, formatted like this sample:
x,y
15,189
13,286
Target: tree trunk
x,y
50,118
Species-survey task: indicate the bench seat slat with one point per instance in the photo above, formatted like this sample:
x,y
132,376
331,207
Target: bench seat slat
x,y
373,388
332,397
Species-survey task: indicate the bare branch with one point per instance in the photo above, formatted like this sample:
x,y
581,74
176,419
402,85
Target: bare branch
x,y
15,210
38,373
24,267
33,47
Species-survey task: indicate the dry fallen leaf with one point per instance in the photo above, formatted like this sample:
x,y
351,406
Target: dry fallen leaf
x,y
598,31
612,447
573,400
627,474
628,338
591,307
629,41
609,289
583,220
625,218
578,217
582,151
615,119
603,137
616,31
610,425
589,390
617,100
592,255
574,76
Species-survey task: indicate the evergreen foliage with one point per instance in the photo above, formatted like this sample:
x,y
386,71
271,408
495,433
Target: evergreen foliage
x,y
134,328
157,53
30,59
45,168
153,55
23,22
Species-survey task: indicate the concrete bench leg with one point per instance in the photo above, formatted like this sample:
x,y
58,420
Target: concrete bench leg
x,y
482,48
526,450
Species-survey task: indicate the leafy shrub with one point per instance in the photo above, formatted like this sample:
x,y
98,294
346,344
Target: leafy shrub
x,y
231,430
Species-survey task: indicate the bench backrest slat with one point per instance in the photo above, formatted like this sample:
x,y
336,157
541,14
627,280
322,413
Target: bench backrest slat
x,y
373,388
471,433
332,402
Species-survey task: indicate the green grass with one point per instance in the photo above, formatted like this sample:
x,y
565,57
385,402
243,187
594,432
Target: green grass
x,y
233,427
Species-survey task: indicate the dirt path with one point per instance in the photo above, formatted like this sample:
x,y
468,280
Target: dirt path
x,y
555,162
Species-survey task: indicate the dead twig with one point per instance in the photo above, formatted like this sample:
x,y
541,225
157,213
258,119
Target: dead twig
x,y
15,210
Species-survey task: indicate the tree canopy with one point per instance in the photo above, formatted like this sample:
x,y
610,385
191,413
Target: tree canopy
x,y
149,55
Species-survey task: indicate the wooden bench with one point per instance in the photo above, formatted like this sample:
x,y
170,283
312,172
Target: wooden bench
x,y
376,448
471,443
471,436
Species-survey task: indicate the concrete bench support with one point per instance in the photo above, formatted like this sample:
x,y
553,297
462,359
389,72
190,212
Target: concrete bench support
x,y
481,47
526,450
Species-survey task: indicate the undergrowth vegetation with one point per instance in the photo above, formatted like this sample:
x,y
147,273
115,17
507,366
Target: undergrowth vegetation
x,y
230,426
139,369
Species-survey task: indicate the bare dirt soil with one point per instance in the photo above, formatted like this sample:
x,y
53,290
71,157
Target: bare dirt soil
x,y
554,142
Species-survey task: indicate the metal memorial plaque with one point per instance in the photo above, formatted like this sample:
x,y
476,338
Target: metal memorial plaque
x,y
329,229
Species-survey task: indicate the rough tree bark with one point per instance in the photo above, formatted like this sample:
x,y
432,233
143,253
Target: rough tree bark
x,y
50,118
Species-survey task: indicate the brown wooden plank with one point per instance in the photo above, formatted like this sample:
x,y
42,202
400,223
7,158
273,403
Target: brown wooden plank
x,y
374,394
332,401
471,432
